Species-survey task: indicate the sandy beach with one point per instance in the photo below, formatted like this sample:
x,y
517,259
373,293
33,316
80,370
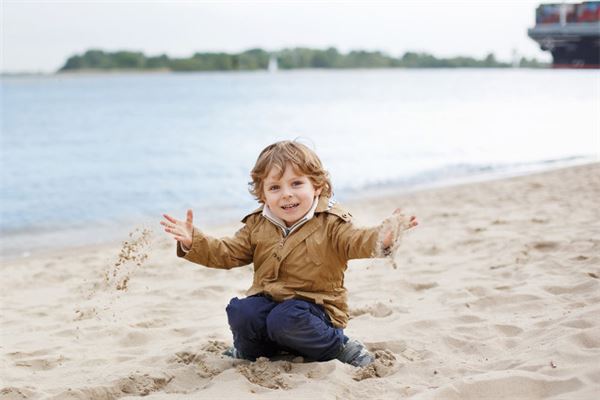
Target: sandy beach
x,y
496,295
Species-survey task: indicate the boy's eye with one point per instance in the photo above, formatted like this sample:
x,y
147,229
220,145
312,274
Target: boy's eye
x,y
273,187
297,183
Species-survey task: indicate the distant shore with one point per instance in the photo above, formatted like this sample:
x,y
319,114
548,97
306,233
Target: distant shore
x,y
108,72
285,59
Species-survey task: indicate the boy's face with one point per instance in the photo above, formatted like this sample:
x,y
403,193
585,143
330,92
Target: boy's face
x,y
290,196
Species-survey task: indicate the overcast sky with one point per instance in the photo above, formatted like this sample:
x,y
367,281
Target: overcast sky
x,y
38,36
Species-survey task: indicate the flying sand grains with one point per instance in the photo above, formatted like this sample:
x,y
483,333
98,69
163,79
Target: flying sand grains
x,y
131,256
397,223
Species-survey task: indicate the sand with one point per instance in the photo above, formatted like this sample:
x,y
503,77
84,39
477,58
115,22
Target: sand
x,y
496,295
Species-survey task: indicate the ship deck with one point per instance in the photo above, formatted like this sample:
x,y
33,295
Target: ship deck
x,y
579,29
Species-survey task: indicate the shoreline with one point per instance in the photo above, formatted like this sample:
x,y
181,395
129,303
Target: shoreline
x,y
510,172
100,72
105,236
494,295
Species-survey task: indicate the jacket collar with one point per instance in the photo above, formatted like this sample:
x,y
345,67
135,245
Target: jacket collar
x,y
323,204
268,214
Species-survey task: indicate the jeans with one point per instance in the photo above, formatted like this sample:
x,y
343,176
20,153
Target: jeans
x,y
262,327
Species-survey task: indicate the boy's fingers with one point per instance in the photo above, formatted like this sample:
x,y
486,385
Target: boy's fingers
x,y
169,218
397,211
173,230
168,226
190,216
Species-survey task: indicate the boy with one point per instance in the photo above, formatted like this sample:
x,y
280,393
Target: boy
x,y
299,241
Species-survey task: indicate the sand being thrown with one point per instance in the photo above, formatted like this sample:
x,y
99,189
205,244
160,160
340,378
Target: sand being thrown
x,y
132,255
398,223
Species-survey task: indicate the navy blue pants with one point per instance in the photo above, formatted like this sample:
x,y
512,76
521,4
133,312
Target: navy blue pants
x,y
262,327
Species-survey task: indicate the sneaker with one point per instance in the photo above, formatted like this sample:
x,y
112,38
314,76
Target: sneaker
x,y
355,353
233,353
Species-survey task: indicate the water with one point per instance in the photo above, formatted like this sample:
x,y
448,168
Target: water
x,y
82,155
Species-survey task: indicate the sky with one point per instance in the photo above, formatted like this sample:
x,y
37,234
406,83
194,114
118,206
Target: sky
x,y
39,36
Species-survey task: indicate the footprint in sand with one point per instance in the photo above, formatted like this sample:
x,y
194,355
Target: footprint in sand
x,y
321,370
152,323
208,362
588,339
544,245
423,286
540,220
578,324
134,339
272,375
133,385
512,385
378,310
14,393
469,319
41,364
142,385
36,360
396,346
214,346
509,330
581,288
203,368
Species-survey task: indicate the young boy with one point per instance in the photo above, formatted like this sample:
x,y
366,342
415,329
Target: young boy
x,y
299,241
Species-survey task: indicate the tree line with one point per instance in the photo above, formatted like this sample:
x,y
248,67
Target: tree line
x,y
296,58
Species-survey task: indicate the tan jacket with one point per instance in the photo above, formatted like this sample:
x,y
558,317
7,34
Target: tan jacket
x,y
308,264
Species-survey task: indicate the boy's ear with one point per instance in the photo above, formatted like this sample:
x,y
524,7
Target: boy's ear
x,y
318,192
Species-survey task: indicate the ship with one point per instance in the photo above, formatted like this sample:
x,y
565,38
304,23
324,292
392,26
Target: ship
x,y
571,32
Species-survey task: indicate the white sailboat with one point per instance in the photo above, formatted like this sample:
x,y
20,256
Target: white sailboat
x,y
273,66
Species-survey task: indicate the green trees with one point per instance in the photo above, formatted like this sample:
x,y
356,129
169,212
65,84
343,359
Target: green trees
x,y
293,58
98,59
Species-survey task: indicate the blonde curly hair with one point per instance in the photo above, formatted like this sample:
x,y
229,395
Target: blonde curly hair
x,y
278,155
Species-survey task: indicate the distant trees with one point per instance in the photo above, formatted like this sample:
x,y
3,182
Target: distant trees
x,y
294,58
532,63
98,59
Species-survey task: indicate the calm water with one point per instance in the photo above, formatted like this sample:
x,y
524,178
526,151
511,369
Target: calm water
x,y
84,154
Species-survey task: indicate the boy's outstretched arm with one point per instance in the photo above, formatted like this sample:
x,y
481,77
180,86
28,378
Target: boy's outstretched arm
x,y
182,231
352,242
197,247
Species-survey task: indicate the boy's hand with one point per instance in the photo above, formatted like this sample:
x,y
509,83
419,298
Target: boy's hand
x,y
181,230
390,236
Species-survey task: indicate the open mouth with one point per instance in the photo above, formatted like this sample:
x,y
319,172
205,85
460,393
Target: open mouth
x,y
290,206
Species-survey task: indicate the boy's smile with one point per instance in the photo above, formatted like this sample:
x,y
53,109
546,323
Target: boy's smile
x,y
289,196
